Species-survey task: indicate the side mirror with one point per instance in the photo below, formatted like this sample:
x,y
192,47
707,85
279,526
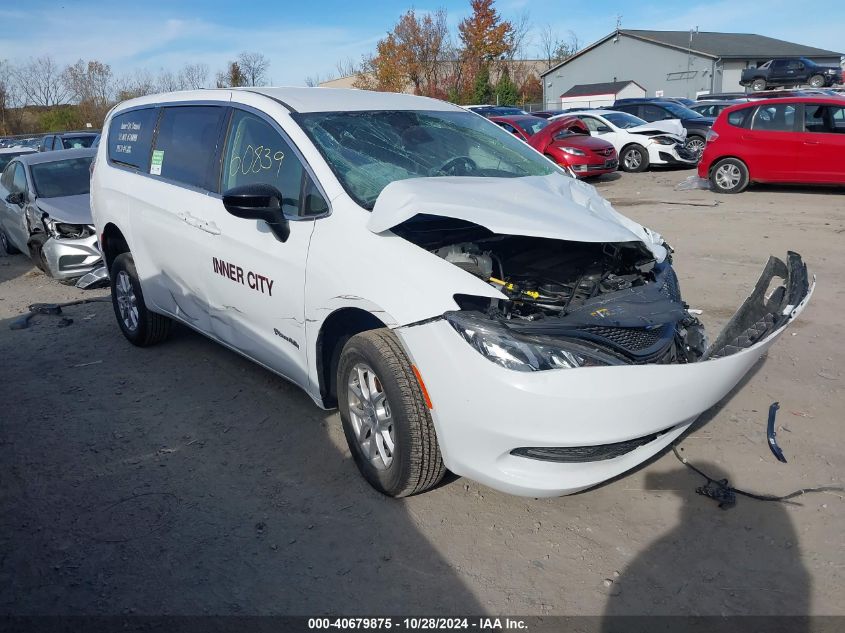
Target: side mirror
x,y
16,197
258,202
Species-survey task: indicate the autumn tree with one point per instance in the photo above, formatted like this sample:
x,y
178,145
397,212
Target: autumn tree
x,y
380,71
232,77
412,53
485,36
531,90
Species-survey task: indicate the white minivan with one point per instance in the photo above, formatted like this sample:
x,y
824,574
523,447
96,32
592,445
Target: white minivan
x,y
463,301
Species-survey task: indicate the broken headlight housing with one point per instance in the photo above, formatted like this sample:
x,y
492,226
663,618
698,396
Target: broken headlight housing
x,y
63,230
497,343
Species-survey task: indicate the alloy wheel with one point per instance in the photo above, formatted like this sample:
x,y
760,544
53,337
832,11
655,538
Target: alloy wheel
x,y
127,302
728,176
371,417
696,146
633,159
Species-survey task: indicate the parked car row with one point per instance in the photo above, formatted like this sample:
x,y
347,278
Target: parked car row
x,y
51,142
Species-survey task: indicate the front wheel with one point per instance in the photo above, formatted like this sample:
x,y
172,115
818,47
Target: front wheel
x,y
816,81
729,175
6,247
758,85
695,144
385,416
141,326
634,158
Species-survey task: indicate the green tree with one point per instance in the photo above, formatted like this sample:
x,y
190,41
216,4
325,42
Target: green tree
x,y
506,92
483,91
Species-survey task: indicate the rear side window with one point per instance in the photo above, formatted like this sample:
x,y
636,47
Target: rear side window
x,y
739,118
130,134
186,144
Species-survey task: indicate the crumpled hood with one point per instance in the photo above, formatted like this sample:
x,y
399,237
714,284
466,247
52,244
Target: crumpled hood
x,y
70,209
553,206
671,126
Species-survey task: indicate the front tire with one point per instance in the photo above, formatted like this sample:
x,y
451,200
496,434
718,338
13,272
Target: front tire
x,y
729,175
634,158
385,416
758,85
695,144
6,247
816,81
140,326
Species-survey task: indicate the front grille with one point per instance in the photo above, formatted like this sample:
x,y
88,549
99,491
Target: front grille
x,y
629,338
580,454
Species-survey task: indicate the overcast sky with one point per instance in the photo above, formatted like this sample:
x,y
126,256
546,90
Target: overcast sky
x,y
307,38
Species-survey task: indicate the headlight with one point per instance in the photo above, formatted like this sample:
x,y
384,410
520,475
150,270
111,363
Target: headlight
x,y
497,344
664,140
573,151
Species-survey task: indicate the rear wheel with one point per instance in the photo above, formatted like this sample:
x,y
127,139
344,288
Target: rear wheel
x,y
729,175
139,325
758,85
385,416
634,158
817,81
6,247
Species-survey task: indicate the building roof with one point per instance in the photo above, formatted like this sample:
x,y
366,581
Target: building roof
x,y
731,45
606,88
714,45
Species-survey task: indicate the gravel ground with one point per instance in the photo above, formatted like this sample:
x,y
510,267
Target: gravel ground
x,y
183,479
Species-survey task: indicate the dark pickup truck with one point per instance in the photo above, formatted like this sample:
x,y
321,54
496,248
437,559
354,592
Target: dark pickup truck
x,y
791,71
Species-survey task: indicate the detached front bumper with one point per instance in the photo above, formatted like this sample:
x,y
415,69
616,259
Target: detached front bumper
x,y
68,258
600,421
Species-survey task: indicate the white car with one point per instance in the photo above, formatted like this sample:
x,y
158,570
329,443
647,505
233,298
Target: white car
x,y
464,302
638,143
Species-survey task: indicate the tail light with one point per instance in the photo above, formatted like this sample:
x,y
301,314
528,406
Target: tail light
x,y
712,135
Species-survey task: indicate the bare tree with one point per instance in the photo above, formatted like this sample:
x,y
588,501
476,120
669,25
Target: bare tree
x,y
136,84
195,76
40,82
345,68
8,95
168,81
520,36
554,48
254,67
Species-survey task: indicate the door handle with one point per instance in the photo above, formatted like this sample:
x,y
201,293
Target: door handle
x,y
811,142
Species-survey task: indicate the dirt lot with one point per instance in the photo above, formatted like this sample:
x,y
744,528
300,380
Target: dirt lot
x,y
183,479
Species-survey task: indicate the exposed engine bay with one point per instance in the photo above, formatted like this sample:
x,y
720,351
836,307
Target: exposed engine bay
x,y
613,299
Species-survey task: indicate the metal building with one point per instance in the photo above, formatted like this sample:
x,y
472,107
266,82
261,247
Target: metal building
x,y
672,63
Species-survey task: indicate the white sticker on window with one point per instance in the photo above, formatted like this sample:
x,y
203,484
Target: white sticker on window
x,y
156,162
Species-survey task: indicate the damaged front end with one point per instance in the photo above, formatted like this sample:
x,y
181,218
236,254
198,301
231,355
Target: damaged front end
x,y
65,250
571,304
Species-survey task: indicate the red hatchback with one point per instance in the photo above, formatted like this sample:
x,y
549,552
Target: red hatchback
x,y
789,140
566,142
